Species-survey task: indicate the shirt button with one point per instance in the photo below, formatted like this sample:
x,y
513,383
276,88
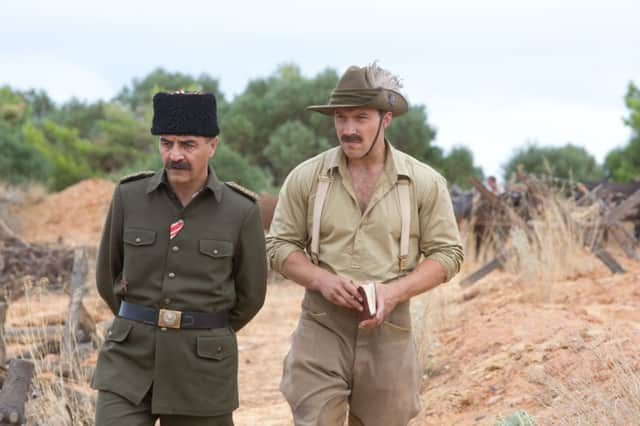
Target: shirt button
x,y
167,301
219,349
172,275
215,251
175,248
138,239
163,328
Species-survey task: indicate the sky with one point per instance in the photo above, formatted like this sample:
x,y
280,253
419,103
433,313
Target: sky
x,y
493,74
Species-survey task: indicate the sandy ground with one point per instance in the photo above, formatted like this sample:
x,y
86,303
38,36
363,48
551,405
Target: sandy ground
x,y
493,348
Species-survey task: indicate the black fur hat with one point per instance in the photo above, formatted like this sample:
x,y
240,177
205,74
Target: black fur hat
x,y
184,113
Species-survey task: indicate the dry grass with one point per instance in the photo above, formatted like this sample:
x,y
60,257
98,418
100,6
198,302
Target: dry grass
x,y
603,389
60,393
552,249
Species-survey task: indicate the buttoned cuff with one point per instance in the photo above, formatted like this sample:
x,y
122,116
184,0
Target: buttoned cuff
x,y
279,256
450,267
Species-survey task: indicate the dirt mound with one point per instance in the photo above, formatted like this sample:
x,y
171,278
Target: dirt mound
x,y
506,345
74,216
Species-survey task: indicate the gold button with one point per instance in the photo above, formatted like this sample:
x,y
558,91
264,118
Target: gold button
x,y
138,239
175,248
172,275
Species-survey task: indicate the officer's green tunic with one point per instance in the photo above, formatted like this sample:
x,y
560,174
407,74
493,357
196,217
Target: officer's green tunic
x,y
215,263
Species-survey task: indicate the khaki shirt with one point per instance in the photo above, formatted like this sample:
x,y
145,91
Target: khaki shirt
x,y
366,246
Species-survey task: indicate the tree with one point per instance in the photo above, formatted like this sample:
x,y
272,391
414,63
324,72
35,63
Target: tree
x,y
229,165
290,144
623,164
19,162
238,131
120,139
269,103
66,153
141,92
412,134
567,162
80,115
458,167
13,108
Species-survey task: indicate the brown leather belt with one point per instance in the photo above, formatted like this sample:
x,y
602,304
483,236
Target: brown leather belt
x,y
168,318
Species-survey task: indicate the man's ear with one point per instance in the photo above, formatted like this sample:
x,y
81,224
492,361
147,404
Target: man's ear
x,y
213,146
386,119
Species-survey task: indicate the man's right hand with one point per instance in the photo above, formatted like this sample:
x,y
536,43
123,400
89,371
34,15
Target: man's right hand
x,y
339,291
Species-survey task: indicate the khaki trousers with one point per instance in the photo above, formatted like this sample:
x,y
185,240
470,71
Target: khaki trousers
x,y
114,410
333,367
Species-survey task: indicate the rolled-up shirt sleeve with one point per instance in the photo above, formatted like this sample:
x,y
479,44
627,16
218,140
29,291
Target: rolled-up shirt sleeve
x,y
288,231
439,236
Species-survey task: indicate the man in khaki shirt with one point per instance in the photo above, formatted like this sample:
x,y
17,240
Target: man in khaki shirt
x,y
382,217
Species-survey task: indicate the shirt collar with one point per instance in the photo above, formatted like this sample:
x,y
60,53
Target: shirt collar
x,y
213,183
394,166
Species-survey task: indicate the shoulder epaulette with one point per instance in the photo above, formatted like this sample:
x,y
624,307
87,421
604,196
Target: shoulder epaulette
x,y
136,176
242,190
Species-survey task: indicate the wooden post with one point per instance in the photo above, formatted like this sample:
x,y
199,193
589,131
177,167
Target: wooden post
x,y
618,212
608,260
76,293
7,234
485,269
3,318
14,392
626,241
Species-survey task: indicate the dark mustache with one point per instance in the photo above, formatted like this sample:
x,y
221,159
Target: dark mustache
x,y
178,165
350,138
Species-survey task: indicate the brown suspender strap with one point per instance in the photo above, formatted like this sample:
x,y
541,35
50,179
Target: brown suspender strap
x,y
405,213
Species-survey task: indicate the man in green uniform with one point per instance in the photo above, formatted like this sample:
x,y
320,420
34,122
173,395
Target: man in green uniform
x,y
182,265
362,212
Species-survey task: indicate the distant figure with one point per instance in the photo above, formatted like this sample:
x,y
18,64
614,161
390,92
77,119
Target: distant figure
x,y
492,183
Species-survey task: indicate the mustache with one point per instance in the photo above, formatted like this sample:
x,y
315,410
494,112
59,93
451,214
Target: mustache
x,y
350,138
177,165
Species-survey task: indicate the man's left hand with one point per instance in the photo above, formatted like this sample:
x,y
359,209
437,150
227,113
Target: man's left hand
x,y
385,303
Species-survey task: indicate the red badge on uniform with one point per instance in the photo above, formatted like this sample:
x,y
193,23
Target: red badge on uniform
x,y
175,228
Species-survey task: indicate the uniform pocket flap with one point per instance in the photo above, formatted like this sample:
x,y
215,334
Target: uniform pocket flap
x,y
216,248
139,237
119,331
217,348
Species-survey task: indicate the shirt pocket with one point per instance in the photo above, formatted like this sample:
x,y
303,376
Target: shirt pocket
x,y
138,237
216,367
140,258
117,335
216,348
218,264
216,249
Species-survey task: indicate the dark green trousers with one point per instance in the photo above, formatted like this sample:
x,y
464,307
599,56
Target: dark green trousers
x,y
114,410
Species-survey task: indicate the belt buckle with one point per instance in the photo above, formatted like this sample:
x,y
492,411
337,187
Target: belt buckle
x,y
169,318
